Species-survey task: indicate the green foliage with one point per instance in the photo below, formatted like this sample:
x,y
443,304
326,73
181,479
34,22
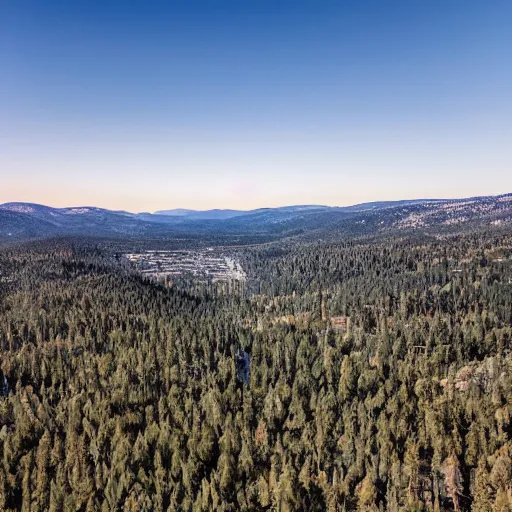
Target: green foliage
x,y
124,395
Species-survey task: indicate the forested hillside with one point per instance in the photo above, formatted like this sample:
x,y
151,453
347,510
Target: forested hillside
x,y
26,221
342,376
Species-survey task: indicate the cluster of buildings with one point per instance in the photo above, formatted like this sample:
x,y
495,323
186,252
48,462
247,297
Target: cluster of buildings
x,y
205,263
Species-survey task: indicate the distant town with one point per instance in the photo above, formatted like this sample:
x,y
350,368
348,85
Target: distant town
x,y
207,263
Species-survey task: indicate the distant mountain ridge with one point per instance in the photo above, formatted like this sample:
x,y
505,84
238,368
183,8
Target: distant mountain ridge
x,y
21,221
218,214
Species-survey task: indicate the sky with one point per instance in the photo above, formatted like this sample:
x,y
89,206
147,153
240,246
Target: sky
x,y
147,105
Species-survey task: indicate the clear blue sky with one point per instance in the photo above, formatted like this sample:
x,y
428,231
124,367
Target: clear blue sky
x,y
145,105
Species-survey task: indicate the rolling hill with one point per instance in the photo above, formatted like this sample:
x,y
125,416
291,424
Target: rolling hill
x,y
22,221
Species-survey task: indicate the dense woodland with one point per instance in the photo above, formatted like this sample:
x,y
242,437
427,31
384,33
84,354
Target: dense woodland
x,y
379,379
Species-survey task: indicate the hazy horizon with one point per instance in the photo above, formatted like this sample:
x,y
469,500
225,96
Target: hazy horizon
x,y
90,205
202,104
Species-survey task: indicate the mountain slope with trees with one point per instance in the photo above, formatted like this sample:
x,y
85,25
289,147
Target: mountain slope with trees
x,y
24,221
